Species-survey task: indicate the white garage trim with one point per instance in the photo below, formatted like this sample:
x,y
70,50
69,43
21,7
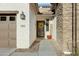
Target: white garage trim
x,y
9,12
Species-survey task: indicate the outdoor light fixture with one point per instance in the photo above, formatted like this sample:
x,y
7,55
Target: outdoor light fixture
x,y
47,22
22,16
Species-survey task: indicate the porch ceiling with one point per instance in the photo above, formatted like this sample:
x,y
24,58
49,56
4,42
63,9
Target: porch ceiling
x,y
44,8
44,17
47,8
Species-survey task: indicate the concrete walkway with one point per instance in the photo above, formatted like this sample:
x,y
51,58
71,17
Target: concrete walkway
x,y
45,48
6,51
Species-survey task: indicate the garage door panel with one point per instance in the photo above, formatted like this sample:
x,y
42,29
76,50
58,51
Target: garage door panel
x,y
12,38
8,32
12,34
1,38
12,30
12,43
3,31
3,35
3,24
3,27
12,27
3,43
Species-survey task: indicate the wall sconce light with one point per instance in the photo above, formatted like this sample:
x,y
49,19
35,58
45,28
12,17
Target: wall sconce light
x,y
47,22
22,16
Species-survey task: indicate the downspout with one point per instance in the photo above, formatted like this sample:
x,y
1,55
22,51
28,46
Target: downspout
x,y
74,29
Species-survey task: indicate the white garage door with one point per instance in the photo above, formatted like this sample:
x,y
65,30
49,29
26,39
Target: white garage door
x,y
7,31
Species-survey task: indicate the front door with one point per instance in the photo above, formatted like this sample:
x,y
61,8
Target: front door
x,y
40,28
7,31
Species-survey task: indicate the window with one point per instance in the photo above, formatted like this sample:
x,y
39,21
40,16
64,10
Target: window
x,y
12,18
47,24
3,18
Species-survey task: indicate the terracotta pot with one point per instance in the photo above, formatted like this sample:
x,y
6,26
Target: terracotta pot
x,y
49,36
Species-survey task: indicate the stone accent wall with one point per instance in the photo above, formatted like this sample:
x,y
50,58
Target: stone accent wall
x,y
64,26
67,27
78,26
59,16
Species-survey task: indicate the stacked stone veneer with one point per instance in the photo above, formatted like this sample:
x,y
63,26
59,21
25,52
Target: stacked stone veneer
x,y
78,26
64,26
59,16
67,27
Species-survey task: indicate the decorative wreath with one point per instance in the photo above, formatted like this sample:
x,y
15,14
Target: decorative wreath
x,y
40,25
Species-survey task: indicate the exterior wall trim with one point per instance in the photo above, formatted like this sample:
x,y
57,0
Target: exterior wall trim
x,y
9,12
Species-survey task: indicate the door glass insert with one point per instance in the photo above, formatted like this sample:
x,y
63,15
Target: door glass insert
x,y
3,18
12,18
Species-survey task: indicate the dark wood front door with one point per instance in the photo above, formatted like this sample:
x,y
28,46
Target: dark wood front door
x,y
40,28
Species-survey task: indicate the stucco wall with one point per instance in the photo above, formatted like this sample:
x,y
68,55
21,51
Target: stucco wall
x,y
32,26
22,37
54,28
